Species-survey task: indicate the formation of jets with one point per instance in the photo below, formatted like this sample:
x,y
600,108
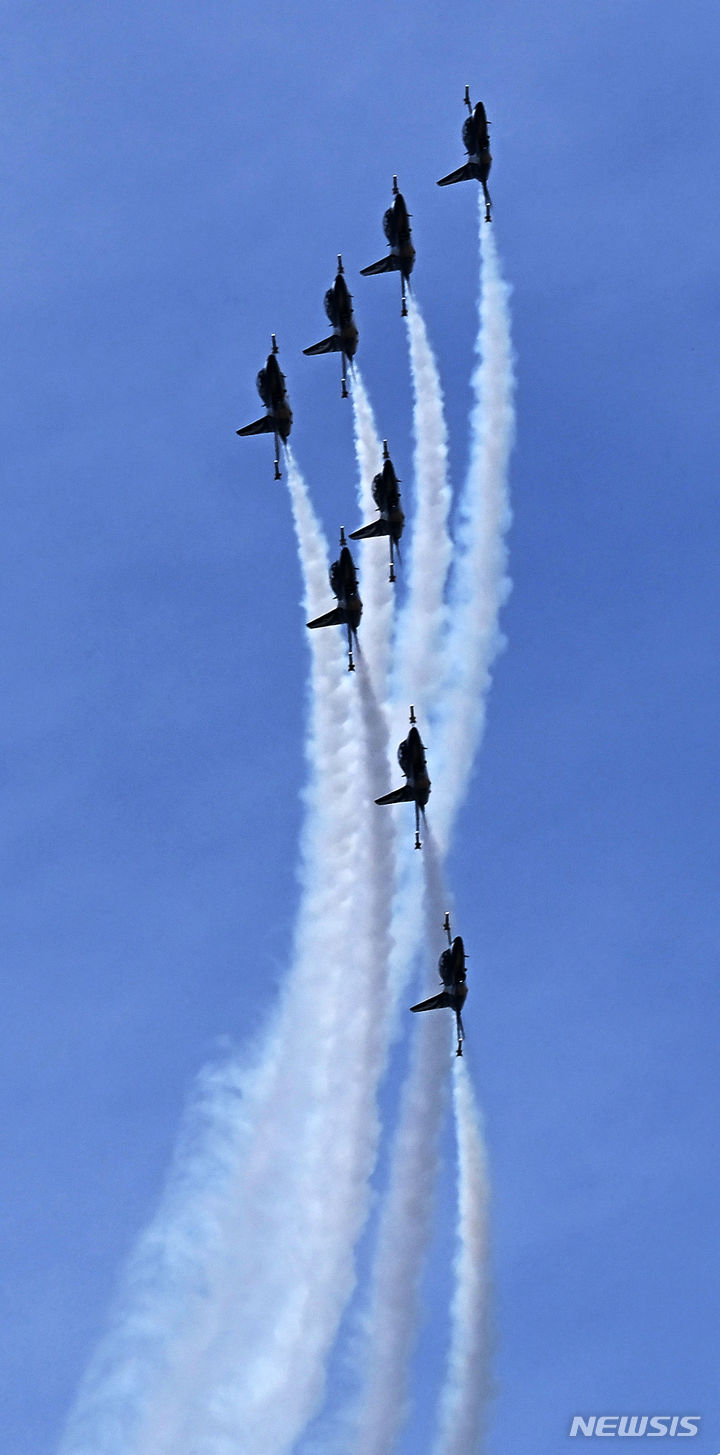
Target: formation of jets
x,y
338,299
347,611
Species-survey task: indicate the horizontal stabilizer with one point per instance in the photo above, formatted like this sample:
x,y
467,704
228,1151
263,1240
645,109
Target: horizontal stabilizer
x,y
390,264
366,532
331,345
436,1002
401,795
463,174
337,617
261,426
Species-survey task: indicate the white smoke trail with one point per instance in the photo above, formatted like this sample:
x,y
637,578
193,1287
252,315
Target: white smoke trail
x,y
390,1322
467,1387
481,587
233,1297
376,589
403,1233
458,696
481,584
422,620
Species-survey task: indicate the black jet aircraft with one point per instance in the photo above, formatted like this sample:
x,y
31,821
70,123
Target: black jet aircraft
x,y
343,580
477,145
344,337
453,975
401,258
411,757
272,391
387,498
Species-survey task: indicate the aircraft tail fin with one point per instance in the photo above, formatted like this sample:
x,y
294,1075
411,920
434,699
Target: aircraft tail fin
x,y
400,795
463,174
260,426
390,264
336,617
331,345
436,1002
366,532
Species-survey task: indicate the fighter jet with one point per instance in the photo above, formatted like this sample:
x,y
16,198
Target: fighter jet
x,y
411,757
387,498
278,420
453,974
343,580
344,337
401,258
477,145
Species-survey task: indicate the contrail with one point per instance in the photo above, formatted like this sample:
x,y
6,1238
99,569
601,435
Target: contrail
x,y
480,584
480,588
391,1319
422,620
403,1232
376,589
456,693
467,1388
232,1300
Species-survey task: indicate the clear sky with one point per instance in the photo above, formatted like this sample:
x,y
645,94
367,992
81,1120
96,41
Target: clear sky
x,y
177,180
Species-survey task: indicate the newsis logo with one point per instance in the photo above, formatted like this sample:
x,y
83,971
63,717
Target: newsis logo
x,y
648,1425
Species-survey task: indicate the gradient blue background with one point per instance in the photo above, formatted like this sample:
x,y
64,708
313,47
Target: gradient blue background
x,y
177,180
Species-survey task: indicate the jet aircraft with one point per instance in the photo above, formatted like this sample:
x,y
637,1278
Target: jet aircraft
x,y
401,258
477,145
411,757
272,391
344,337
453,975
387,498
343,580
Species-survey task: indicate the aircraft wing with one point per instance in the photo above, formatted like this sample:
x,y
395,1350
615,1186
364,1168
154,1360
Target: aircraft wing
x,y
463,174
390,264
376,528
436,1002
266,425
400,795
336,617
331,345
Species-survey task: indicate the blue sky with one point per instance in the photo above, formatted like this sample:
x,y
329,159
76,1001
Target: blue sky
x,y
177,182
